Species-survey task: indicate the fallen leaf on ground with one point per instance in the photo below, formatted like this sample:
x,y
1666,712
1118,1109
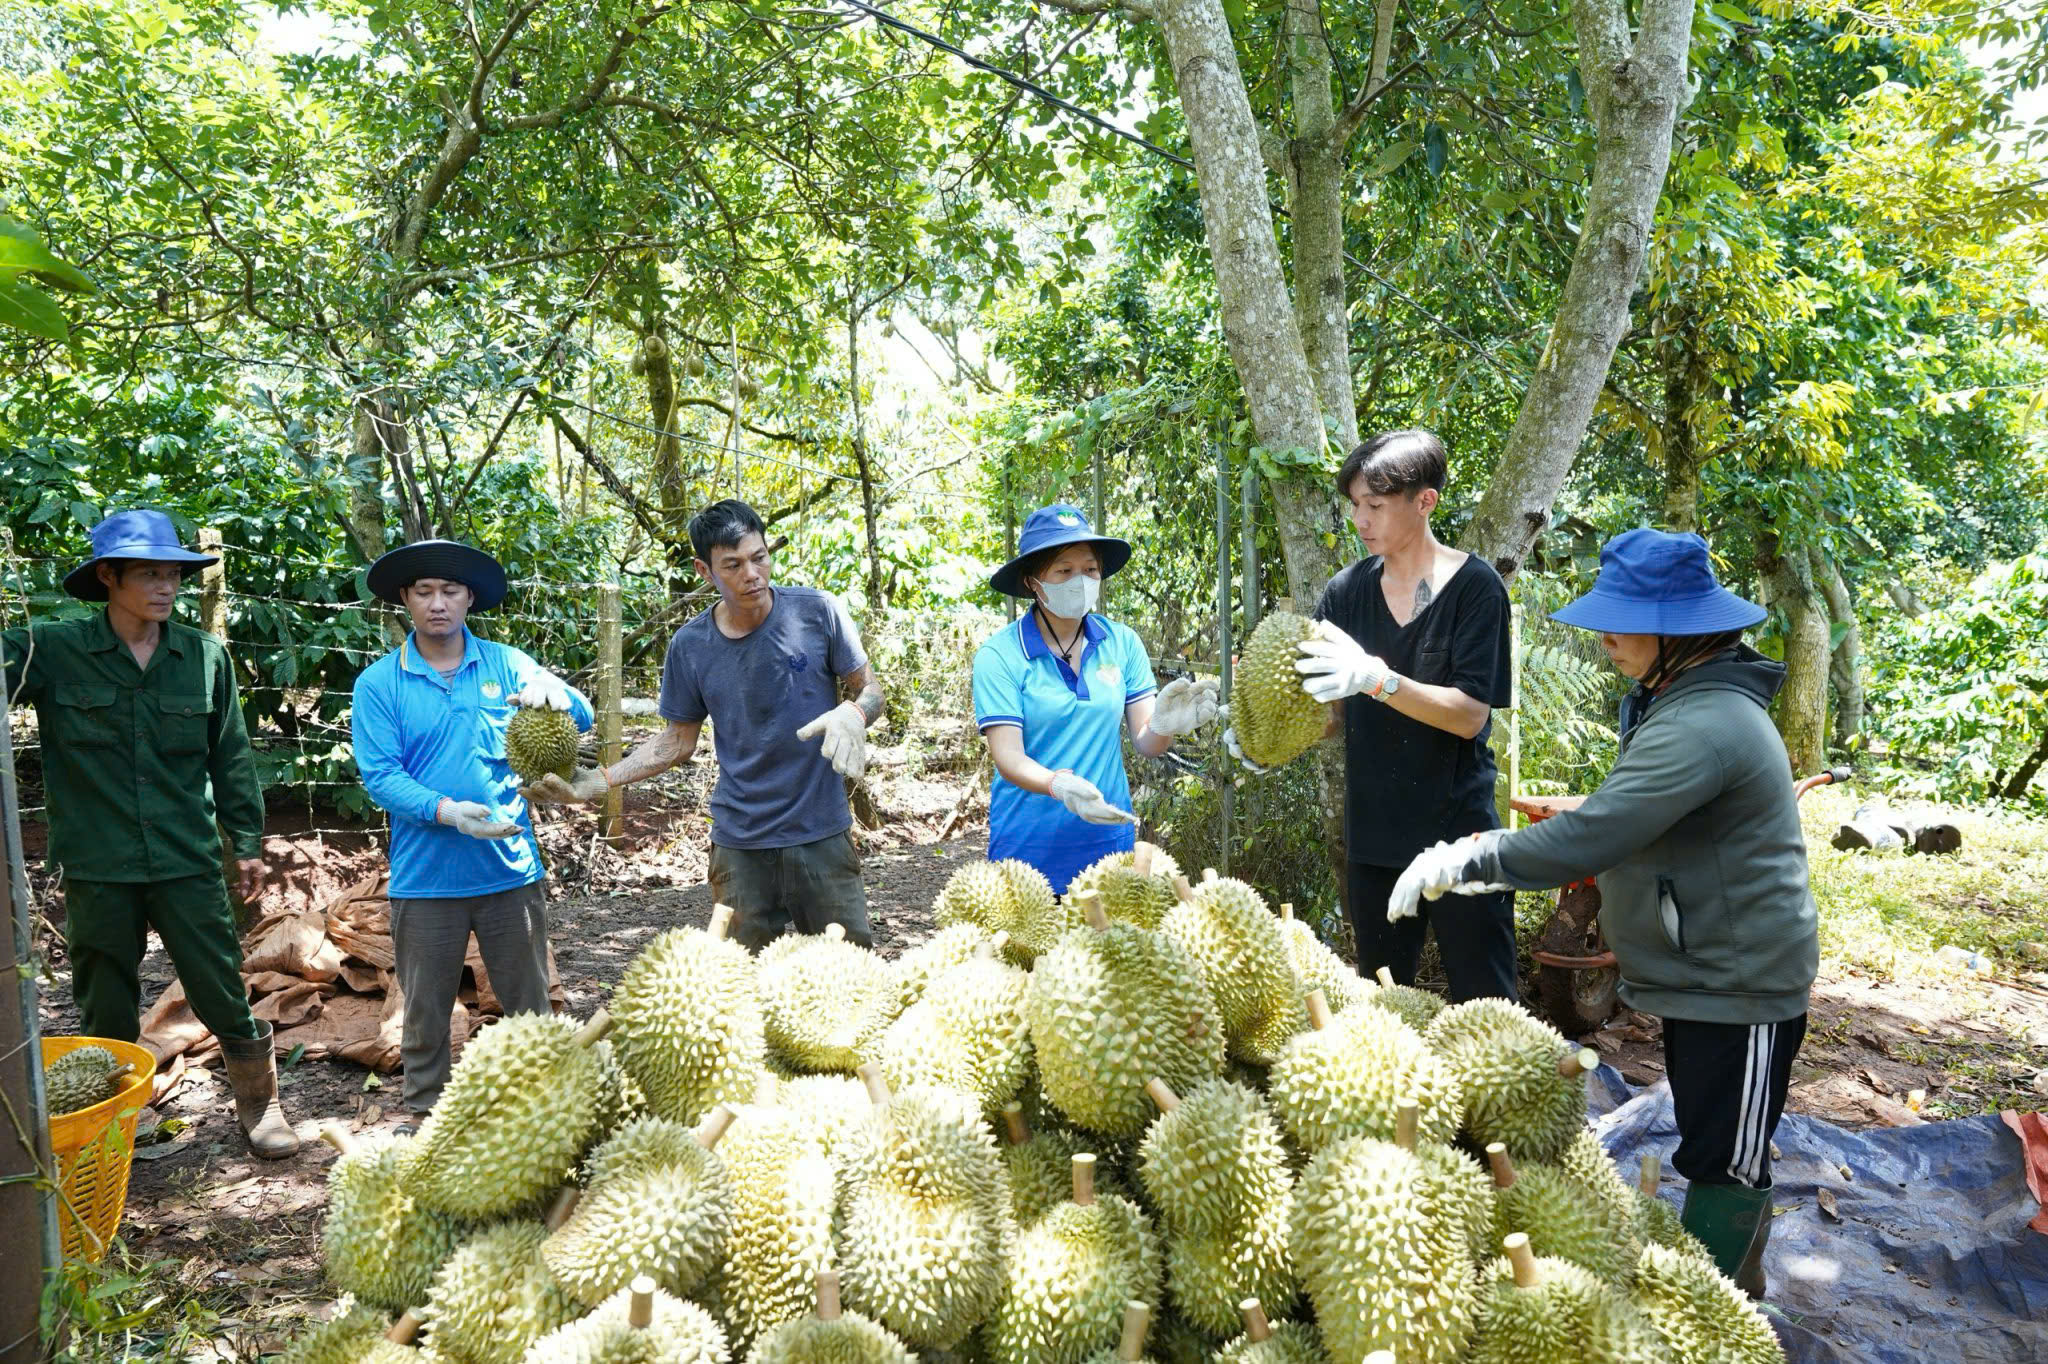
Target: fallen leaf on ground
x,y
1826,1199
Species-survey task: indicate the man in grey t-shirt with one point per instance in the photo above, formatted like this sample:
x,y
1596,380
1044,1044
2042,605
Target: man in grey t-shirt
x,y
765,665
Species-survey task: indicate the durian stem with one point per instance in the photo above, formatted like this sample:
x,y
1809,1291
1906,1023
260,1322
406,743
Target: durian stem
x,y
1162,1094
1208,875
1287,909
1319,1015
1084,1180
1385,977
564,1204
878,1086
1137,1321
337,1136
1407,1119
591,1033
1650,1174
1380,1357
1523,1259
836,932
720,926
715,1124
1141,858
1182,888
1576,1063
640,1307
1503,1168
1256,1327
1014,1125
405,1328
1092,911
828,1295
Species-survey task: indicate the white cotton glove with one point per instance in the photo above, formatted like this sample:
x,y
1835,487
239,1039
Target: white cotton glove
x,y
543,691
1333,666
1184,705
1081,797
844,741
1235,749
1470,866
470,817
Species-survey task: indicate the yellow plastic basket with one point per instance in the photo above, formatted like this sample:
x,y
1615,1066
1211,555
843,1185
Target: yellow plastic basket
x,y
94,1149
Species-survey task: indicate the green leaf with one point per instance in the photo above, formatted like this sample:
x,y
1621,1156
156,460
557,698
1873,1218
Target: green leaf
x,y
1437,145
23,252
1393,158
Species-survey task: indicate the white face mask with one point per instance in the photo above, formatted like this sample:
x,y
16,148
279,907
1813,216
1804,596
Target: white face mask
x,y
1072,599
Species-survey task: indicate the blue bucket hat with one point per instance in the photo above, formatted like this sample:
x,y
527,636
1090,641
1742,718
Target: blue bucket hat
x,y
147,535
1654,582
450,559
1055,526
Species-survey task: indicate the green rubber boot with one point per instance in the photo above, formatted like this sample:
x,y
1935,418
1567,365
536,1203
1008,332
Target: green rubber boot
x,y
1733,1223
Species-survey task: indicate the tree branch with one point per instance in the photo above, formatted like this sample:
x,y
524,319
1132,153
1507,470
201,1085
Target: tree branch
x,y
600,80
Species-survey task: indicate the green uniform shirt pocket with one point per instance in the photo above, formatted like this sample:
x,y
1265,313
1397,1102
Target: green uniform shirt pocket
x,y
86,714
181,722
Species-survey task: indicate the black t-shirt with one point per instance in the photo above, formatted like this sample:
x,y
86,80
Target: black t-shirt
x,y
1408,784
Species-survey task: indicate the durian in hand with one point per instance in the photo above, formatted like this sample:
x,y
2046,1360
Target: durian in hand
x,y
1215,1165
1417,1008
1561,1218
925,1230
1041,1165
1699,1313
1130,1346
830,1335
781,1232
1226,927
814,990
1111,1007
657,1201
1347,1075
688,1021
494,1297
1136,887
360,1335
1072,1276
379,1244
1319,968
1266,1342
967,1033
640,1324
1275,720
1005,897
1546,1311
82,1077
519,1110
539,741
1521,1082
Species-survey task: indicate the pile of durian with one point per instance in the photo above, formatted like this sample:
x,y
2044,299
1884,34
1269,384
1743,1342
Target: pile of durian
x,y
1148,1120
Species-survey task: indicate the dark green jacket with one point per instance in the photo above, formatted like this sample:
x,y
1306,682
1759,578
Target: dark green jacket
x,y
1702,864
137,763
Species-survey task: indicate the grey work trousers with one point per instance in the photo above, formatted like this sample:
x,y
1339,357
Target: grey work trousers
x,y
798,889
430,938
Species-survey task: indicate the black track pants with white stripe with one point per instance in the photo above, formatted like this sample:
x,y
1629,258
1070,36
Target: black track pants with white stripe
x,y
1728,1090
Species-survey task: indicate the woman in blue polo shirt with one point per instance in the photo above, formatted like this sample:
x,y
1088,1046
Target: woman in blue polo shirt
x,y
1052,695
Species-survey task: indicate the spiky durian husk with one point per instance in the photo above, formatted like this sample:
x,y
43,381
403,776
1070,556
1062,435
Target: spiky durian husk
x,y
540,741
1566,1222
836,1106
967,1033
657,1203
1236,940
494,1297
913,973
1111,1010
1462,1193
1005,897
1292,1342
814,992
1276,721
1570,1316
519,1110
1347,1079
848,1339
1506,1059
355,1336
1319,968
1417,1008
1173,1340
680,1333
781,1232
1126,896
1069,1280
379,1243
1700,1315
1657,1223
1384,1263
927,1229
1041,1171
1207,1276
688,1020
80,1078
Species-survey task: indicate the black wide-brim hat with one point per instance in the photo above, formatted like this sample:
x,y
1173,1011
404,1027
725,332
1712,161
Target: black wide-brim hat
x,y
465,564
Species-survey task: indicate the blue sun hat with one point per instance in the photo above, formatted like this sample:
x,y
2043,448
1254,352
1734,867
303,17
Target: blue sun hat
x,y
1655,582
145,535
1055,526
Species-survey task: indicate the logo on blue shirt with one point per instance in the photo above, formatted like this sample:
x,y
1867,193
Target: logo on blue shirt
x,y
799,662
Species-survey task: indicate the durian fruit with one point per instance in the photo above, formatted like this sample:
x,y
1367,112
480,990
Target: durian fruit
x,y
379,1244
494,1297
1005,897
539,741
1561,1218
639,1324
1174,1341
1111,1007
966,1033
1547,1311
830,1335
657,1201
1263,1342
1072,1276
837,1107
1275,720
519,1110
814,990
781,1232
1381,1239
1520,1079
1215,1165
1136,887
1417,1008
1346,1076
1226,927
358,1335
926,1229
81,1078
688,1021
913,973
1319,968
1040,1164
1699,1313
1130,1346
1657,1222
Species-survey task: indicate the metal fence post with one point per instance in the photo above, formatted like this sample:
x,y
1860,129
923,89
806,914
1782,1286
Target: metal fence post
x,y
610,701
1223,636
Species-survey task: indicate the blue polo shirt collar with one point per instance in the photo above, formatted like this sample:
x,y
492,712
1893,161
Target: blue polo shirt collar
x,y
409,657
1093,630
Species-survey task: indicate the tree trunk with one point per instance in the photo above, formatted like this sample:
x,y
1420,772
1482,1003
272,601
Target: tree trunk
x,y
867,473
672,491
2029,768
1315,198
1635,88
1683,459
1803,703
1845,663
368,455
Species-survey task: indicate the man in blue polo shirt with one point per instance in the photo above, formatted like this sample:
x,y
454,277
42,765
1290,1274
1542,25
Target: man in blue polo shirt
x,y
429,727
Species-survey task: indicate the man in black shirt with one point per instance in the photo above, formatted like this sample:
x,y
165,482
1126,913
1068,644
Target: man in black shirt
x,y
1414,642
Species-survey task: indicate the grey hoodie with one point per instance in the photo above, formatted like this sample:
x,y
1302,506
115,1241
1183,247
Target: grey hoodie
x,y
1696,841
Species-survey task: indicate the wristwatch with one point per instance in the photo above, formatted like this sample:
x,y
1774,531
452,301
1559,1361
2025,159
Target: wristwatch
x,y
1389,687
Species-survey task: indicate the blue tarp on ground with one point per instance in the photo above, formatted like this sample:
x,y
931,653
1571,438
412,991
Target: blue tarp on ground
x,y
1932,1259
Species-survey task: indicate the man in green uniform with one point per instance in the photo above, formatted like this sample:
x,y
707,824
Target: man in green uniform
x,y
143,748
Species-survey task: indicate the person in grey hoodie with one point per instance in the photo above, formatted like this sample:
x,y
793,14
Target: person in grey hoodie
x,y
1701,863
